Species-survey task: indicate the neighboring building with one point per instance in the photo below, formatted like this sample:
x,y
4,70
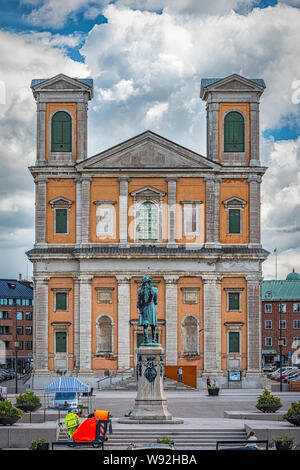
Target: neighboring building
x,y
287,294
148,206
16,323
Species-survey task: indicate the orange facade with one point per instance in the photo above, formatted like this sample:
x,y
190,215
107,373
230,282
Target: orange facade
x,y
51,108
244,109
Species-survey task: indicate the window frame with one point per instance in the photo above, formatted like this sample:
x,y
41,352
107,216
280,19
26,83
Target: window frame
x,y
229,333
106,204
268,305
242,126
51,123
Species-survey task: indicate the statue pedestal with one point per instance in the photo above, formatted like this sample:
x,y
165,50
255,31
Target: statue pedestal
x,y
150,403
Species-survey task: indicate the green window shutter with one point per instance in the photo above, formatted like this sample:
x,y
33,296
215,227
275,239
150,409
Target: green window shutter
x,y
61,342
234,139
234,221
61,221
61,301
234,342
234,300
61,138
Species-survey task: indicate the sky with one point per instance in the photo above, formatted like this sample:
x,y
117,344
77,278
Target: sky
x,y
147,59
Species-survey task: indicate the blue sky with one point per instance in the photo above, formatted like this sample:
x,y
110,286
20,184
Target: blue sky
x,y
147,58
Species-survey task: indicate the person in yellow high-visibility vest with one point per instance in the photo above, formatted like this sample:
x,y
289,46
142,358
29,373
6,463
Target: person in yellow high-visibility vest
x,y
72,422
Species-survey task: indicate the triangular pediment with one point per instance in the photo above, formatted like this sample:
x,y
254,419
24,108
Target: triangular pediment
x,y
60,201
62,82
147,191
147,151
234,201
234,82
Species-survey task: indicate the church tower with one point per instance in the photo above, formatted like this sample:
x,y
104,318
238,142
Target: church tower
x,y
233,119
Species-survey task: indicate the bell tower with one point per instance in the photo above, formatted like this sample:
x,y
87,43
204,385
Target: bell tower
x,y
233,119
62,104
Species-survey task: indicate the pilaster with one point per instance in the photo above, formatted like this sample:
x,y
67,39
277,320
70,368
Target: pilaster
x,y
40,324
171,210
254,322
40,209
212,211
212,323
123,322
123,210
171,320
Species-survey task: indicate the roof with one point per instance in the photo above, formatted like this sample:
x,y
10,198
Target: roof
x,y
84,81
205,82
281,290
11,288
67,384
293,276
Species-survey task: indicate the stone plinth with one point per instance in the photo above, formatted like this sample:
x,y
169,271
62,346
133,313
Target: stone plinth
x,y
150,403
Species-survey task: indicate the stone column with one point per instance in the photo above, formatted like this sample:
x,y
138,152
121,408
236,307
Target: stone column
x,y
41,134
212,211
254,134
40,324
81,131
254,210
213,131
123,210
40,209
123,322
171,320
212,323
85,209
76,323
85,323
78,210
254,322
171,210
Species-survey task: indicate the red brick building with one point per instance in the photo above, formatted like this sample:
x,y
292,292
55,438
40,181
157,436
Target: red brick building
x,y
284,293
16,323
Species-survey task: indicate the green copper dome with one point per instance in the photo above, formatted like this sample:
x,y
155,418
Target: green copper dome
x,y
293,276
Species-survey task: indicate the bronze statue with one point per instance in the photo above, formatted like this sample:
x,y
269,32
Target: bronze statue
x,y
147,306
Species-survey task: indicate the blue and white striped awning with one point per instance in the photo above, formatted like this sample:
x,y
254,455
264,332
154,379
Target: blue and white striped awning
x,y
67,384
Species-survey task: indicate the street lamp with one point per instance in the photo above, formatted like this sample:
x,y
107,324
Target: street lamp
x,y
16,345
280,343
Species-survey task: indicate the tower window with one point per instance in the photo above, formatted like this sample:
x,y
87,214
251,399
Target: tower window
x,y
61,134
61,221
234,139
234,221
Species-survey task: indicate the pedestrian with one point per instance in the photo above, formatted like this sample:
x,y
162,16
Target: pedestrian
x,y
250,438
179,372
2,397
71,422
208,383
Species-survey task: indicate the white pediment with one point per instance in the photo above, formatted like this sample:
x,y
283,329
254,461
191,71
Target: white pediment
x,y
147,191
234,201
62,82
60,202
148,150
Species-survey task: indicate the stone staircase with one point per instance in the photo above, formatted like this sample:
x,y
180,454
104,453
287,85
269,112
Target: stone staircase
x,y
184,439
130,383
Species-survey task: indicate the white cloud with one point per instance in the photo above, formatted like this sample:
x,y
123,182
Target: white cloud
x,y
156,112
23,57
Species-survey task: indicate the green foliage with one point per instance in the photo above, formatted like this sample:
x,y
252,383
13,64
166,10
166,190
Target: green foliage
x,y
267,399
34,444
165,440
293,412
7,410
28,398
284,439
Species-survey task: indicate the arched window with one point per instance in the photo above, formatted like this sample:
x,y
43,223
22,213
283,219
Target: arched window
x,y
104,331
190,343
61,132
147,221
234,139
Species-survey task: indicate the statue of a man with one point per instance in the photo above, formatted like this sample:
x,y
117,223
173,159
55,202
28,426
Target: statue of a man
x,y
147,306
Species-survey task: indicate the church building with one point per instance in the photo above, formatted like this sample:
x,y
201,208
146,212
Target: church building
x,y
147,206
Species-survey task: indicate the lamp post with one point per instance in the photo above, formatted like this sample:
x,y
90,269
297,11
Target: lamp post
x,y
16,345
280,343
